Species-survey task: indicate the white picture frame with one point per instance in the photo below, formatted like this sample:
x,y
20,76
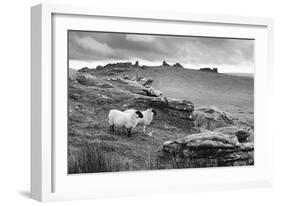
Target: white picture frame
x,y
50,182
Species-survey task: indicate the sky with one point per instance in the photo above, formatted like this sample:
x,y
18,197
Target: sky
x,y
90,49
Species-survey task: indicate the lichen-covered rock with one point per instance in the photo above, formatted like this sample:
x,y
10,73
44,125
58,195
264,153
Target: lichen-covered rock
x,y
90,80
208,140
169,103
242,134
175,112
208,149
211,118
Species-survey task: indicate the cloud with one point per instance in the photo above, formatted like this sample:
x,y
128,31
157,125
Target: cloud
x,y
101,46
89,43
140,38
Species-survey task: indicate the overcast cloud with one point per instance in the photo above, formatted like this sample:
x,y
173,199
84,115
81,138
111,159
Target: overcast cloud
x,y
107,47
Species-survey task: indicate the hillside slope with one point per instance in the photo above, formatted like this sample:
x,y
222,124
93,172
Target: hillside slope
x,y
92,93
233,94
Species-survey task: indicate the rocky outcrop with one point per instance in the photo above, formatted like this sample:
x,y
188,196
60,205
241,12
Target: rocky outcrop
x,y
241,134
138,85
211,118
178,65
171,103
85,69
151,92
144,67
90,80
181,109
146,82
99,67
129,85
119,65
207,149
165,64
208,69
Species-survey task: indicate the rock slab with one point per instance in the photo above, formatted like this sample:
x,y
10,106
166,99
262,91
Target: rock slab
x,y
207,149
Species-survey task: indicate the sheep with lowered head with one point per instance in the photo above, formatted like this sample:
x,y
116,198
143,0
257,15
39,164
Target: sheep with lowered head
x,y
147,116
123,119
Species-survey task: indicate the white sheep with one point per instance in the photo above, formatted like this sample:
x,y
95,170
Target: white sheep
x,y
147,116
123,119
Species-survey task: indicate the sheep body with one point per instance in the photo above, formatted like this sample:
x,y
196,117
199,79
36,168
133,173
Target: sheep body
x,y
147,116
123,119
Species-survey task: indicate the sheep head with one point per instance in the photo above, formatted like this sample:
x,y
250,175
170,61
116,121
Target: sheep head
x,y
139,114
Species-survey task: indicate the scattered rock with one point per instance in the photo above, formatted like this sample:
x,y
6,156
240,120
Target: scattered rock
x,y
137,85
151,92
129,77
146,82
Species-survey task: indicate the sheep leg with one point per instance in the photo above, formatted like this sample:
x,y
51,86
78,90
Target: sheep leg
x,y
129,131
111,128
143,128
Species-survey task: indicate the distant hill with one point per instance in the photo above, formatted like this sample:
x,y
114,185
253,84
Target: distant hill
x,y
242,74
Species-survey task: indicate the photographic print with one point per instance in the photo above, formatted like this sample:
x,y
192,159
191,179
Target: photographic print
x,y
141,102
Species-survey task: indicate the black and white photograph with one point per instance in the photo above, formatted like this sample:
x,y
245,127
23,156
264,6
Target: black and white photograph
x,y
140,102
